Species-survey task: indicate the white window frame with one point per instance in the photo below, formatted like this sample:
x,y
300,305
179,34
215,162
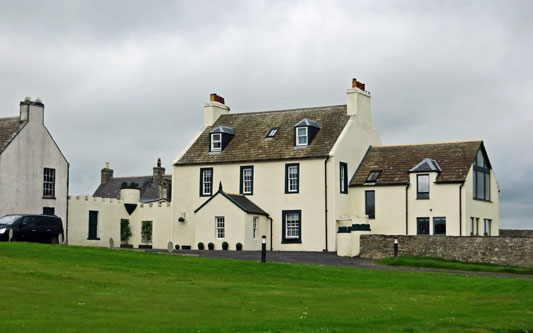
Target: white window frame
x,y
306,136
247,184
207,183
217,141
292,226
49,182
292,185
220,227
254,227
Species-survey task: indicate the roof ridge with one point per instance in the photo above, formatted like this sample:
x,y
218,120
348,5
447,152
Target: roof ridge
x,y
426,144
137,176
288,110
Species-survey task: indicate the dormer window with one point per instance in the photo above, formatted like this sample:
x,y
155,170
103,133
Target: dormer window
x,y
272,133
301,136
304,132
220,138
216,142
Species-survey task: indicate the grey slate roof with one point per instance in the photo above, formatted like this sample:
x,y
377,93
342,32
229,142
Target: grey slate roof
x,y
427,165
223,129
307,122
238,200
249,142
394,162
9,128
149,187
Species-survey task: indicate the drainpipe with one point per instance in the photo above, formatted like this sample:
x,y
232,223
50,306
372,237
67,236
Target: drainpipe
x,y
407,210
326,201
268,217
460,211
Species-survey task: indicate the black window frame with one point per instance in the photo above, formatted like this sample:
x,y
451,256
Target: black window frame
x,y
422,195
50,211
481,172
285,240
370,211
368,180
343,177
287,165
202,182
241,182
435,219
418,228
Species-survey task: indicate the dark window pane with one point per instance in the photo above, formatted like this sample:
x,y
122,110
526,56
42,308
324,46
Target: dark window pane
x,y
439,224
480,185
487,186
370,204
422,186
422,227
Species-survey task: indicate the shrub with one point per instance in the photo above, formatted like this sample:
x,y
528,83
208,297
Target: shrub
x,y
238,246
125,230
146,231
177,246
200,246
211,246
225,246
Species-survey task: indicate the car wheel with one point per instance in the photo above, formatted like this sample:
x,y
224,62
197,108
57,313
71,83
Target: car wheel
x,y
55,239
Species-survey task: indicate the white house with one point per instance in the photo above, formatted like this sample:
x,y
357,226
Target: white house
x,y
33,170
294,165
427,189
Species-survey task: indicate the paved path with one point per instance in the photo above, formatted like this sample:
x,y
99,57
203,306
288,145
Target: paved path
x,y
326,259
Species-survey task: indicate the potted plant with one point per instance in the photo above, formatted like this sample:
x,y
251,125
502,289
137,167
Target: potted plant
x,y
225,246
211,246
200,246
238,247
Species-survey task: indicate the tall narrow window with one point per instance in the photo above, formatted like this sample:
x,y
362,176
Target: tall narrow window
x,y
343,168
422,187
292,223
439,226
206,182
146,232
477,226
292,178
487,227
481,177
220,226
216,142
254,227
247,180
301,136
49,183
370,204
93,225
472,228
422,225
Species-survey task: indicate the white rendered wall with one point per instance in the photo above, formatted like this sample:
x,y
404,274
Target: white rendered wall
x,y
22,166
479,208
110,212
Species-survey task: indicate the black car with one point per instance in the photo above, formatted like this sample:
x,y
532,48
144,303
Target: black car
x,y
32,228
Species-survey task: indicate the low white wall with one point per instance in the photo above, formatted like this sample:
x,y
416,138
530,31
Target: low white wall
x,y
348,243
110,213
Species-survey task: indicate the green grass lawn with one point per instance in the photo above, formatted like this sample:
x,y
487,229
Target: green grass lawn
x,y
449,264
58,288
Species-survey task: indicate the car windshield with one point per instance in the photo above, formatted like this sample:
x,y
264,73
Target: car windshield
x,y
9,219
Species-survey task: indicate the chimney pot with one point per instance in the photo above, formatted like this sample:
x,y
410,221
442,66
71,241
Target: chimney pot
x,y
354,83
107,165
212,97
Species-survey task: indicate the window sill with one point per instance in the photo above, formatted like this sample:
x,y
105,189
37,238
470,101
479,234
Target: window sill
x,y
291,241
417,198
489,201
49,198
287,192
205,195
93,238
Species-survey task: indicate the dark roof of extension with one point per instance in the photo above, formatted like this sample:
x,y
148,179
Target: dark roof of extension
x,y
9,128
249,143
394,162
148,185
238,200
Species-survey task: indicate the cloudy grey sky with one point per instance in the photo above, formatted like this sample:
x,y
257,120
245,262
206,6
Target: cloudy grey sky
x,y
125,81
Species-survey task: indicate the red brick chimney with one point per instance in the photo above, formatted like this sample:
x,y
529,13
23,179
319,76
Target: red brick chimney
x,y
357,84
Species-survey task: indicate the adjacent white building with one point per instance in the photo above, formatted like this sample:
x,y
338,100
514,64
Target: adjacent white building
x,y
33,170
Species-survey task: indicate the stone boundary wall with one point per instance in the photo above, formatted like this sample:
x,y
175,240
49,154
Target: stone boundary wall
x,y
508,251
516,232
